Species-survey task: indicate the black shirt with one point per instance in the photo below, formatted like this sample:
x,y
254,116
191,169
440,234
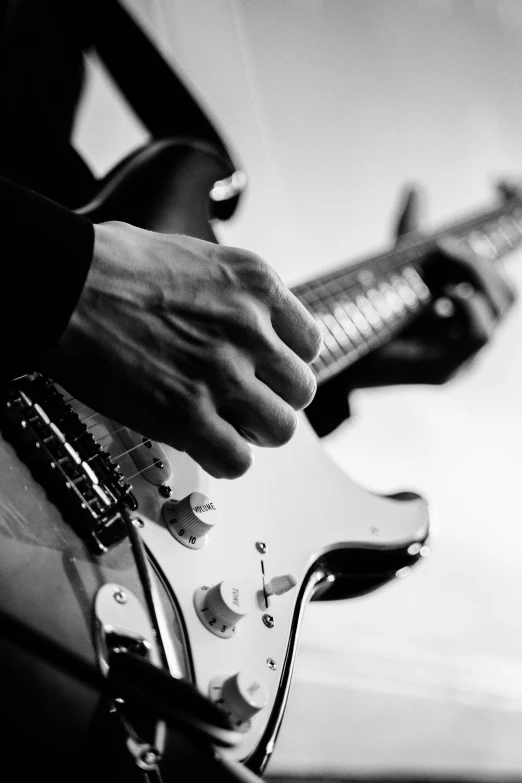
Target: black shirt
x,y
46,248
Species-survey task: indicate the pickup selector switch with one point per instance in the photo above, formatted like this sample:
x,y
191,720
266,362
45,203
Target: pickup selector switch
x,y
240,696
280,585
190,520
220,607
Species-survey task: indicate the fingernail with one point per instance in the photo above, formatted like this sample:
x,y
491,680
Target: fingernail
x,y
464,291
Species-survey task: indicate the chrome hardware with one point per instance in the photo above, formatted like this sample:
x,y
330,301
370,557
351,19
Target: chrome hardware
x,y
268,620
165,491
271,664
146,756
120,597
82,480
261,547
225,189
122,623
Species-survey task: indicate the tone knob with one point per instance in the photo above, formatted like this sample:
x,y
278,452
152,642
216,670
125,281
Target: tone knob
x,y
220,607
240,696
190,520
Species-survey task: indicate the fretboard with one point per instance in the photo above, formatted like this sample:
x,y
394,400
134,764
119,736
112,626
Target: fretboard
x,y
362,305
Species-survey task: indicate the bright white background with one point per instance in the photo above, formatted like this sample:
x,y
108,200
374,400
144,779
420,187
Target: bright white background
x,y
331,106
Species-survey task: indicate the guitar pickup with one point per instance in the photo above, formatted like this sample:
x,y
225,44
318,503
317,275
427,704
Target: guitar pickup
x,y
148,456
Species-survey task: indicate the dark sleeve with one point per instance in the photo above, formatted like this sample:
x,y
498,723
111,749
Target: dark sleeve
x,y
46,252
157,94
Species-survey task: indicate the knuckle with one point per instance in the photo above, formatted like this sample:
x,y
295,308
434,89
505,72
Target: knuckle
x,y
254,269
248,322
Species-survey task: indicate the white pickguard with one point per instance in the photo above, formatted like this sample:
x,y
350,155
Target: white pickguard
x,y
298,503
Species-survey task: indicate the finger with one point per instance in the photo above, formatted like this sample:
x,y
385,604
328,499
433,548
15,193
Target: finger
x,y
260,415
286,375
508,189
409,212
218,447
475,311
295,326
486,277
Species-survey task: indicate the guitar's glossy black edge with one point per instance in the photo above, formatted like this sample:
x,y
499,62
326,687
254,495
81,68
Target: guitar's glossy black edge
x,y
327,579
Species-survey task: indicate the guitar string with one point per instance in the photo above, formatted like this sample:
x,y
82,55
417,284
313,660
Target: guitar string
x,y
109,434
418,247
139,472
323,293
355,338
71,481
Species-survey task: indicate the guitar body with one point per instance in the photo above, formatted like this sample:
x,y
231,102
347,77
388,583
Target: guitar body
x,y
294,513
49,578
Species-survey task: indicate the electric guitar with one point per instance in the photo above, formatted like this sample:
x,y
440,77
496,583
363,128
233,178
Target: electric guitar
x,y
112,543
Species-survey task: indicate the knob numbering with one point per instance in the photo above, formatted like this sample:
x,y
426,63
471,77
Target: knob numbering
x,y
220,607
191,519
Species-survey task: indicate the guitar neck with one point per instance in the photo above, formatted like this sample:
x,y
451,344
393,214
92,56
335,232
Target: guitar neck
x,y
362,305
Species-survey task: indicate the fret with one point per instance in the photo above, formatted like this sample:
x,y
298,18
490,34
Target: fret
x,y
369,311
337,346
341,338
319,364
417,284
346,322
361,306
498,238
330,343
342,328
360,321
510,229
481,244
404,291
380,304
331,294
369,306
325,371
392,298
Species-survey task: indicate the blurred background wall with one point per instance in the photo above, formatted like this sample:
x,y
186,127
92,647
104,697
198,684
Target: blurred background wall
x,y
331,106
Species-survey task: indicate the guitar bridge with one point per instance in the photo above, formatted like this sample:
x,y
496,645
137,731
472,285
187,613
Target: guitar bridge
x,y
77,474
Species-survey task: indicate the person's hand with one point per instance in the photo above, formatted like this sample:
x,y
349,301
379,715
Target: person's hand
x,y
192,344
470,296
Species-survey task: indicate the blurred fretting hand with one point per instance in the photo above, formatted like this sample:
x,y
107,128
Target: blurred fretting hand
x,y
471,295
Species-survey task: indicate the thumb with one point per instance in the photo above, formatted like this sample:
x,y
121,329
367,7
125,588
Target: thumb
x,y
409,212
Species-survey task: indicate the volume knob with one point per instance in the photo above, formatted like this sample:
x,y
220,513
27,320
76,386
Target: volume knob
x,y
240,696
191,519
222,606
